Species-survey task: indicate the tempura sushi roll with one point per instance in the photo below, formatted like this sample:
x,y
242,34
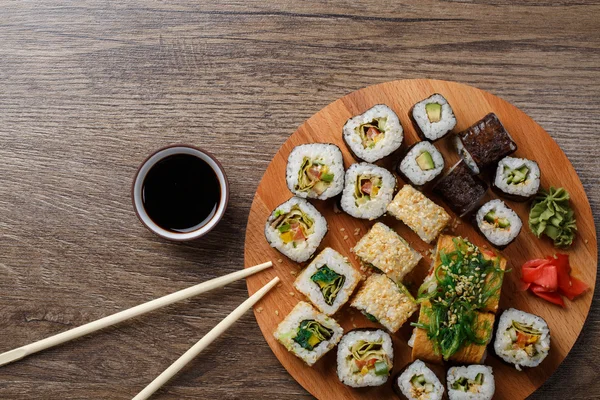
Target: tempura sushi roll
x,y
433,117
517,178
382,300
418,382
307,333
498,223
385,250
328,281
420,214
374,134
485,143
368,190
296,229
522,339
365,357
315,171
421,164
474,382
460,189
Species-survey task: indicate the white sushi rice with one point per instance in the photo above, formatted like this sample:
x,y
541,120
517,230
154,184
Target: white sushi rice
x,y
498,236
503,345
410,168
465,155
393,133
288,329
411,392
302,251
328,154
337,263
485,391
434,130
345,360
376,205
528,187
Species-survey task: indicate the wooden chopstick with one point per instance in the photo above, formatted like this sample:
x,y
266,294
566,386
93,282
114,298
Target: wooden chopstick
x,y
205,341
121,316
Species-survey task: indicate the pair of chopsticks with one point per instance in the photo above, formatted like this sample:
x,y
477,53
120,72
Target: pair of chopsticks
x,y
21,352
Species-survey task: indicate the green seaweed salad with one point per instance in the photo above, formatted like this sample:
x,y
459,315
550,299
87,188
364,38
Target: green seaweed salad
x,y
552,216
464,283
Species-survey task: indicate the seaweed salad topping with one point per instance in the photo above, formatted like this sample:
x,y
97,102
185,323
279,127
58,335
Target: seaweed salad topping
x,y
457,289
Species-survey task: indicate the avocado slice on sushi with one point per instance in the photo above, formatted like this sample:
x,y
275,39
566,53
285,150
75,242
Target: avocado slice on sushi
x,y
425,161
434,112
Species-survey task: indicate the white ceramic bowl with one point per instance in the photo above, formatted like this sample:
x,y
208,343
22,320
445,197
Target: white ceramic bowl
x,y
157,156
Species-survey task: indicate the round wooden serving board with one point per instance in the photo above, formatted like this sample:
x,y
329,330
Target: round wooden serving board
x,y
470,105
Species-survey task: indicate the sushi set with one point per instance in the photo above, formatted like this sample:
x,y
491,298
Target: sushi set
x,y
426,234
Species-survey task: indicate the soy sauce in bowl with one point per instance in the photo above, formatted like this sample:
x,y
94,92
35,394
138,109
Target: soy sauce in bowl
x,y
181,193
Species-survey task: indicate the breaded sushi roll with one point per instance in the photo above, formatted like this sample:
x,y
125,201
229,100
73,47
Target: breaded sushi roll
x,y
498,223
296,229
382,300
420,214
418,382
522,339
460,189
422,164
517,178
433,117
473,382
485,143
315,171
374,134
365,357
368,190
385,250
307,333
328,281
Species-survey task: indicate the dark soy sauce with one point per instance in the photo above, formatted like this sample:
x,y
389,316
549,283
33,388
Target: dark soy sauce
x,y
181,193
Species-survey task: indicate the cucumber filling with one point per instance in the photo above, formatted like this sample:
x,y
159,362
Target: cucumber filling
x,y
516,176
497,222
366,357
420,386
330,283
465,384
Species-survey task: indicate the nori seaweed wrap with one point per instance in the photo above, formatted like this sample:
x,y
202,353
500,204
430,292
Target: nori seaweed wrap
x,y
460,189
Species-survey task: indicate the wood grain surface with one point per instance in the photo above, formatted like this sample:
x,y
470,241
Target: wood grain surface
x,y
89,88
469,105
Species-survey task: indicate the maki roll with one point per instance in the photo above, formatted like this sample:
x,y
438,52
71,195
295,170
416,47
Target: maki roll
x,y
474,382
522,339
421,164
365,357
307,333
385,250
517,178
418,382
460,189
433,117
485,143
315,171
296,229
375,134
382,300
328,281
498,223
368,191
420,214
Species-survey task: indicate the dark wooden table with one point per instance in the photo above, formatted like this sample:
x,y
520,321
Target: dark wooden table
x,y
89,88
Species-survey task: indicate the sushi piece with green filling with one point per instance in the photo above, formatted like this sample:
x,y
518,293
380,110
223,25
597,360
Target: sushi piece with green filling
x,y
422,164
433,117
418,382
498,223
517,178
473,382
368,191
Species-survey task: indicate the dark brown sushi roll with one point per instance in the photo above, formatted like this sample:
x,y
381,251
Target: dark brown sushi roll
x,y
460,189
485,143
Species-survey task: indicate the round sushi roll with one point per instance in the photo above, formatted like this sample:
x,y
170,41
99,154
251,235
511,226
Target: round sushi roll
x,y
365,357
418,382
315,171
422,163
375,134
296,229
433,117
474,382
522,339
368,191
498,223
517,178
